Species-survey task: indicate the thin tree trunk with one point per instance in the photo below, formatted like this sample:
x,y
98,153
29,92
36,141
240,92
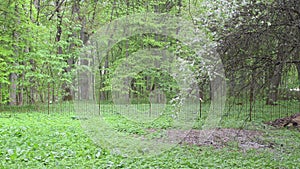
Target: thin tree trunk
x,y
20,92
20,97
1,94
298,70
13,89
32,82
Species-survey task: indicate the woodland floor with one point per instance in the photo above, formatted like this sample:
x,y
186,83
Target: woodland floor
x,y
36,140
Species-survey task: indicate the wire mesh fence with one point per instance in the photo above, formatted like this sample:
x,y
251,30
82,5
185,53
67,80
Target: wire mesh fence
x,y
236,107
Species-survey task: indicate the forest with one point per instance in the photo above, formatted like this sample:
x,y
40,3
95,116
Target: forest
x,y
41,43
99,83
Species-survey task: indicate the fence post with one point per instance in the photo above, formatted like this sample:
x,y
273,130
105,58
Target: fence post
x,y
251,95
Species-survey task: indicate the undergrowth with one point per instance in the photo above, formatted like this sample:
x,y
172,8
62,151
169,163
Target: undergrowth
x,y
36,140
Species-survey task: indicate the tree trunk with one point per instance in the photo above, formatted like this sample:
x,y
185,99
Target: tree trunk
x,y
20,97
84,81
67,90
13,89
20,92
13,76
32,82
85,76
298,70
276,78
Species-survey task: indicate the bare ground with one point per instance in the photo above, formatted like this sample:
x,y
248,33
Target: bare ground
x,y
224,137
218,138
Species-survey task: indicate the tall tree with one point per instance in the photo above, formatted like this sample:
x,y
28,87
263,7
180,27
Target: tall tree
x,y
264,32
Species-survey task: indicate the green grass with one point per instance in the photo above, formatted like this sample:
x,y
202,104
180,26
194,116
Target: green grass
x,y
36,140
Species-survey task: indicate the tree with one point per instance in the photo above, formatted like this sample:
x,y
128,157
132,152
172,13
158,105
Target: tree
x,y
260,35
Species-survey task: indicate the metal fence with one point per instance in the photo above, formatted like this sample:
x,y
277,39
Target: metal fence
x,y
237,107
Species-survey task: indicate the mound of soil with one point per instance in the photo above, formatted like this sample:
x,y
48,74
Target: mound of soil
x,y
291,121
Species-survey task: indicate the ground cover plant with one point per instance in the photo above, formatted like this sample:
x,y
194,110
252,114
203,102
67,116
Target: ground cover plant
x,y
39,140
79,80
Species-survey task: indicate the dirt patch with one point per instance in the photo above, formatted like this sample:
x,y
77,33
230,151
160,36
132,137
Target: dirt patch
x,y
218,138
292,121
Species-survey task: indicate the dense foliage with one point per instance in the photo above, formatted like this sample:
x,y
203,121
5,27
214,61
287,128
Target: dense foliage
x,y
41,44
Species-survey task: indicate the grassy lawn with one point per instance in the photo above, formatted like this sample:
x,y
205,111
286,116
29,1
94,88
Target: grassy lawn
x,y
38,140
